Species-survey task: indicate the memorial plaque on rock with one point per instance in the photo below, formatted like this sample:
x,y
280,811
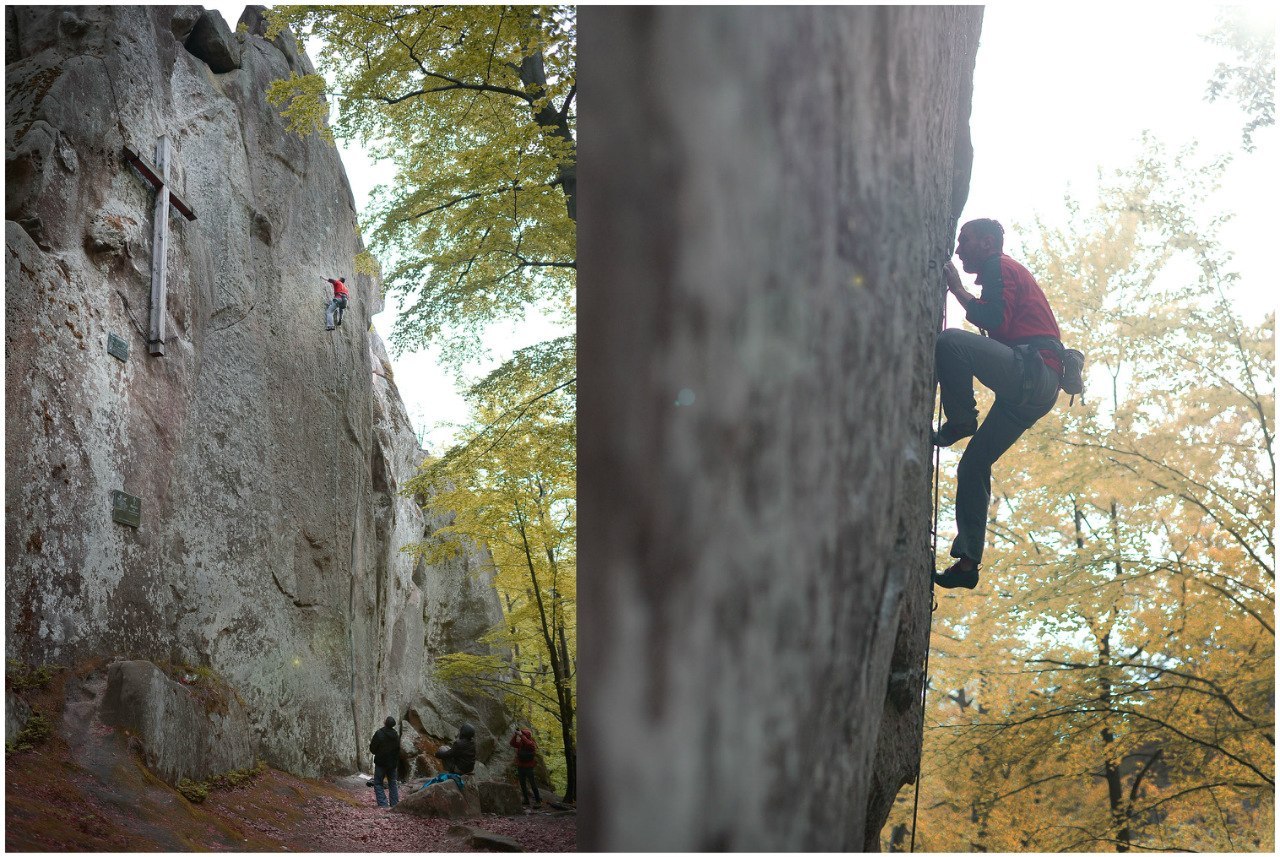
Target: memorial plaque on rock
x,y
117,348
126,508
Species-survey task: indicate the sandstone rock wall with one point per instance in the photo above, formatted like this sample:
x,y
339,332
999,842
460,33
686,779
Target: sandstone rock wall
x,y
766,198
183,735
266,451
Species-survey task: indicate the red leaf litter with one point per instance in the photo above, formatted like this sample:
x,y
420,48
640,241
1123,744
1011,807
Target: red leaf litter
x,y
86,787
350,824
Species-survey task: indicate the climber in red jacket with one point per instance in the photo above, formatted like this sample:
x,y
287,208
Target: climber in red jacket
x,y
337,304
526,764
1019,360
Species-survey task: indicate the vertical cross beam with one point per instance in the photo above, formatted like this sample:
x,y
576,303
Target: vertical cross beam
x,y
160,251
158,175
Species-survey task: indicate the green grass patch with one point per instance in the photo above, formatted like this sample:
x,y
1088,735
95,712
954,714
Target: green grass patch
x,y
196,792
34,733
20,677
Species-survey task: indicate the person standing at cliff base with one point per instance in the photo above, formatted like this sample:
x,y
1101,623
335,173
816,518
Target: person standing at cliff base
x,y
1020,360
385,748
337,304
526,765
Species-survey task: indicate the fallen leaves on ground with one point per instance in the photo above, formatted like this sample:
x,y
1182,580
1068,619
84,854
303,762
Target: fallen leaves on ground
x,y
341,826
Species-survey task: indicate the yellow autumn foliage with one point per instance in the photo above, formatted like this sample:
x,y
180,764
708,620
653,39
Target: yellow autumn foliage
x,y
1110,684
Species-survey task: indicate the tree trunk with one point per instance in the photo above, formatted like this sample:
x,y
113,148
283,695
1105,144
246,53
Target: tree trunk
x,y
1111,764
555,122
515,656
564,699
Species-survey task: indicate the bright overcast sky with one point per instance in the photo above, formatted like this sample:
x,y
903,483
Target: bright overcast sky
x,y
1060,90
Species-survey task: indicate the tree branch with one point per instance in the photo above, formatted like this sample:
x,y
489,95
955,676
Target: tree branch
x,y
452,85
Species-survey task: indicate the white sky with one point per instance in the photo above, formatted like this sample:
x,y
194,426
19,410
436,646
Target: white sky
x,y
1059,92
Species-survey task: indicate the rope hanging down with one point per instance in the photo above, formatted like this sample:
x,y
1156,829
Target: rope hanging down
x,y
924,690
337,528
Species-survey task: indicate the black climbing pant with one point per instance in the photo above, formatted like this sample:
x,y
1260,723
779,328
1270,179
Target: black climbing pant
x,y
337,305
527,775
1025,391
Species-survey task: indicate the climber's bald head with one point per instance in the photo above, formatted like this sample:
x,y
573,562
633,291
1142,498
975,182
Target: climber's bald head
x,y
979,240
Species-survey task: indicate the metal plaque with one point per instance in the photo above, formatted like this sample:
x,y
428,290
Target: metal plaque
x,y
117,347
126,508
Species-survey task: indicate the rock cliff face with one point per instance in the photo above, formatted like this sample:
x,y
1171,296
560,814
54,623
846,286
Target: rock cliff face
x,y
767,196
266,452
183,737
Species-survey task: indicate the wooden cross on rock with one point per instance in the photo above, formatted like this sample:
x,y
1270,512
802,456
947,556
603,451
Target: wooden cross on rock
x,y
158,176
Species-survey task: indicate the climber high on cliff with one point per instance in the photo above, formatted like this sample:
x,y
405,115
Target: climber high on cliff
x,y
1020,360
337,304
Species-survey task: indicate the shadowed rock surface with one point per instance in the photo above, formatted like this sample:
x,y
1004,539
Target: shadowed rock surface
x,y
212,41
482,840
183,736
267,453
770,194
499,798
442,800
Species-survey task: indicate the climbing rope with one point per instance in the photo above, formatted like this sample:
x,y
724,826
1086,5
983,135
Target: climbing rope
x,y
337,524
924,690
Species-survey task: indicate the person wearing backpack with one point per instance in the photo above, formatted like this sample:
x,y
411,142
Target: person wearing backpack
x,y
526,764
1021,359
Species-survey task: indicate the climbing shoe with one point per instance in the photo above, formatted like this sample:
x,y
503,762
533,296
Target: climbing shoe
x,y
952,432
956,577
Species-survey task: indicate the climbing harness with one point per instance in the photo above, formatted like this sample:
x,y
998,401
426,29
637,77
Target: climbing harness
x,y
924,690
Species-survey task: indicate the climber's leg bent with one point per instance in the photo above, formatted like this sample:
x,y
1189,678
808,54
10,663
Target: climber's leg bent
x,y
1025,391
961,356
1011,415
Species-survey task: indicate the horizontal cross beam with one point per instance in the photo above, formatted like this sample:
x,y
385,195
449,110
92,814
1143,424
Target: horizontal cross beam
x,y
151,174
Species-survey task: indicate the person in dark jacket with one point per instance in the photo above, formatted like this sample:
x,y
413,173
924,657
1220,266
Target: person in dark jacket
x,y
460,756
385,748
1019,360
526,764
